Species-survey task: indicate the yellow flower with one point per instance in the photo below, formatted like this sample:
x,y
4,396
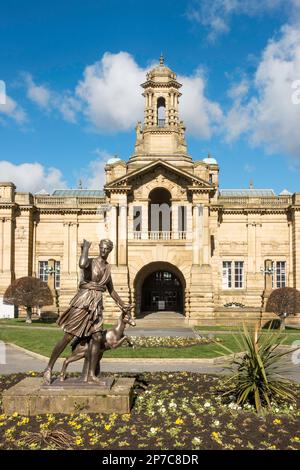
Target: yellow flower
x,y
216,436
79,441
295,439
179,421
107,427
277,421
15,414
126,417
23,421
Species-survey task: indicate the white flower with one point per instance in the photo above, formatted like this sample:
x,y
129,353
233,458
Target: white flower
x,y
153,430
216,423
207,404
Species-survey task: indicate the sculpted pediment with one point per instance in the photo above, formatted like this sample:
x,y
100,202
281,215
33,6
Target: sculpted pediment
x,y
159,172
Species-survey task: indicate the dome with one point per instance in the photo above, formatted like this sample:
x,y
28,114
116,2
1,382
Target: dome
x,y
162,71
113,160
210,160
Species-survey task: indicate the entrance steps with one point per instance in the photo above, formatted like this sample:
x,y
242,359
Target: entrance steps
x,y
161,320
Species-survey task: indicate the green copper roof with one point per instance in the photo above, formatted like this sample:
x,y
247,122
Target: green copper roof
x,y
78,193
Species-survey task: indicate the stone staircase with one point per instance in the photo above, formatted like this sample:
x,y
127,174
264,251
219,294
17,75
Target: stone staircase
x,y
161,320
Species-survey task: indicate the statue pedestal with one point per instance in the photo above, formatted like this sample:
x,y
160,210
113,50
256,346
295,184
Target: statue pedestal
x,y
30,397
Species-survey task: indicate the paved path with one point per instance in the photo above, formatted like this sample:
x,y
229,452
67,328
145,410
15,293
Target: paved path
x,y
20,360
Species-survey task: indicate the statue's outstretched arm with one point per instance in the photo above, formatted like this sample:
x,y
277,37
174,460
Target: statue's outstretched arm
x,y
84,258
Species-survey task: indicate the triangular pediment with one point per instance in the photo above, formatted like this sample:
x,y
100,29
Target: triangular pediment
x,y
191,180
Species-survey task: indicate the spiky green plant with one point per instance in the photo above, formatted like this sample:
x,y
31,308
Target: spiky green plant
x,y
257,372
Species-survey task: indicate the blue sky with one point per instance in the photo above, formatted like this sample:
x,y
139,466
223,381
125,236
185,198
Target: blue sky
x,y
72,70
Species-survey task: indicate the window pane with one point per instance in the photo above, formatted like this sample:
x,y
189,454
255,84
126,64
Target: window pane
x,y
57,275
238,274
43,275
226,275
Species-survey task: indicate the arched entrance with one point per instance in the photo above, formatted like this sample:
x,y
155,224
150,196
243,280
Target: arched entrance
x,y
159,287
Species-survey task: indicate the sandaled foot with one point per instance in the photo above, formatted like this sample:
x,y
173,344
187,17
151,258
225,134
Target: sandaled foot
x,y
92,379
47,377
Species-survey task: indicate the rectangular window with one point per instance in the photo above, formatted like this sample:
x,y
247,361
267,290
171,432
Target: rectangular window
x,y
233,275
182,218
279,274
57,275
137,218
226,275
238,274
43,270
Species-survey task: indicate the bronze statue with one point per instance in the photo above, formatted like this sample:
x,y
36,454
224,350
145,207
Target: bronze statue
x,y
84,317
111,339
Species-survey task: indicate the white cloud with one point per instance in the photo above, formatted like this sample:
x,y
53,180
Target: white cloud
x,y
39,94
216,15
269,115
94,173
31,177
109,91
65,103
112,101
198,113
12,110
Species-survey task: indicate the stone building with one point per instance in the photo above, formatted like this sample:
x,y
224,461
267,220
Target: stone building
x,y
182,244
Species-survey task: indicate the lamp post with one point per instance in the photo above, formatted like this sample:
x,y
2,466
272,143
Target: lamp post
x,y
267,271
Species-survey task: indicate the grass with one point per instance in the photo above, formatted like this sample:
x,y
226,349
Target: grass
x,y
20,322
42,342
289,329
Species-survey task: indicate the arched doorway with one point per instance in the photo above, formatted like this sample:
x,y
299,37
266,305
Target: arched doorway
x,y
159,287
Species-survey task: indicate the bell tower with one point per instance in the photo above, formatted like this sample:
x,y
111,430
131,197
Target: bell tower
x,y
162,135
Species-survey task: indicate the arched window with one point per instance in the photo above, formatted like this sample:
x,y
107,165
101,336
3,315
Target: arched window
x,y
160,211
161,112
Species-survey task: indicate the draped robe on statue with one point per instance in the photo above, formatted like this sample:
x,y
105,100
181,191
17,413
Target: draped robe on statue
x,y
84,316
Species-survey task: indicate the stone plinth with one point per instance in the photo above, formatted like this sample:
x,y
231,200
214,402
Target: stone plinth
x,y
29,397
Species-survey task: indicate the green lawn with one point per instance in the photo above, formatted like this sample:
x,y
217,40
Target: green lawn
x,y
289,329
42,342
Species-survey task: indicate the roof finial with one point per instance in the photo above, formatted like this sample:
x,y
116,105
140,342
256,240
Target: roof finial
x,y
251,185
80,184
161,59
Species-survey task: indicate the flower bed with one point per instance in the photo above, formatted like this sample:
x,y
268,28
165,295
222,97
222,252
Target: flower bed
x,y
171,411
169,341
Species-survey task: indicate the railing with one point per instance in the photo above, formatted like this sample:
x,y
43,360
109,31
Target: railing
x,y
68,201
161,122
261,201
159,235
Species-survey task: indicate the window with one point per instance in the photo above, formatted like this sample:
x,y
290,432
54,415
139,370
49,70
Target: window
x,y
279,274
57,275
233,275
43,270
137,218
182,218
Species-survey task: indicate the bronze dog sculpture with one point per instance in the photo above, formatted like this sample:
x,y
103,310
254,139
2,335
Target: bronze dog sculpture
x,y
111,339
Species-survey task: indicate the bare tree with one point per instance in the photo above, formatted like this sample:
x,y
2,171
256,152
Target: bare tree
x,y
284,302
28,292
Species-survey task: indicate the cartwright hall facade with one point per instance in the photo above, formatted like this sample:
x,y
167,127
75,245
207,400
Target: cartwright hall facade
x,y
181,244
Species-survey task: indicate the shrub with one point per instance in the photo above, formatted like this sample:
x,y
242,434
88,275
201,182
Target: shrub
x,y
257,373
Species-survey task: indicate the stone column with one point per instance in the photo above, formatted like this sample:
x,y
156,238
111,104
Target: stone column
x,y
6,252
69,270
175,209
145,228
196,234
205,235
122,234
113,233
